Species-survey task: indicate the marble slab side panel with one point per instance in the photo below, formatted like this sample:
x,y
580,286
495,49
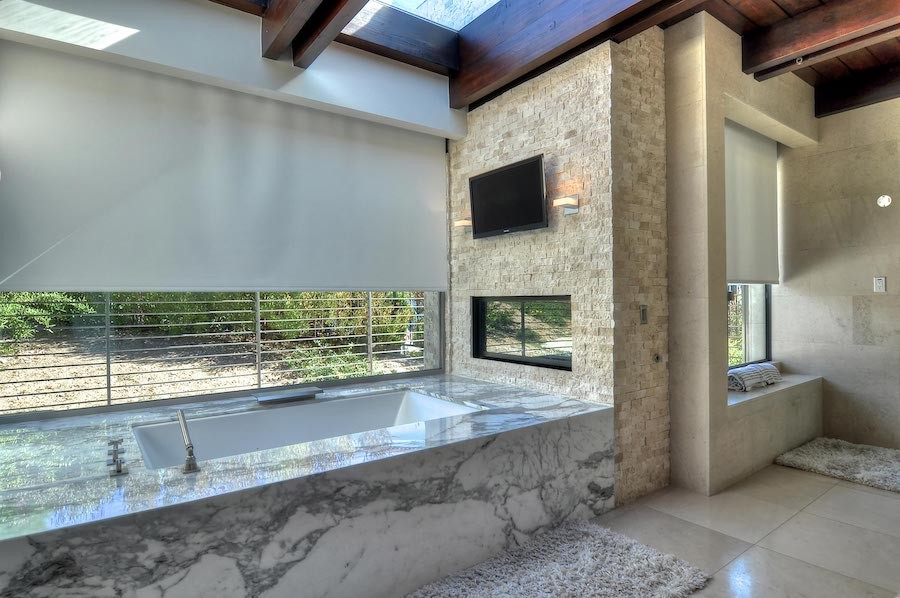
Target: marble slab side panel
x,y
380,528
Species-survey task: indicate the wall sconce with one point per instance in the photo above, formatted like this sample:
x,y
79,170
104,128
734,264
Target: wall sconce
x,y
569,204
884,201
462,222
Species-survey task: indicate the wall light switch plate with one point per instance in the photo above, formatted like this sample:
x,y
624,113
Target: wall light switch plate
x,y
880,284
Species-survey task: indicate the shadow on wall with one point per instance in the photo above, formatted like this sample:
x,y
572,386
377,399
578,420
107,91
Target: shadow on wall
x,y
827,318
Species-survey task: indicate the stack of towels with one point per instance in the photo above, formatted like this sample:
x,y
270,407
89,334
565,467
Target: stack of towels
x,y
757,374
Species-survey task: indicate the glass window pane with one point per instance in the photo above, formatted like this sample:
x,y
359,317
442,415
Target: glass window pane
x,y
453,14
747,326
530,330
548,326
71,350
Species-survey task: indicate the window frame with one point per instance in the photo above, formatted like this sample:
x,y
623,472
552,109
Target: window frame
x,y
210,397
479,330
768,313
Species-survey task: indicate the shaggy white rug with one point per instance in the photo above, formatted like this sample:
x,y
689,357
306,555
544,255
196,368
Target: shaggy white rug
x,y
575,560
870,465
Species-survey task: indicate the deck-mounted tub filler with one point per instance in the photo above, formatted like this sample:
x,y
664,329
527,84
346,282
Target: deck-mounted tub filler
x,y
369,489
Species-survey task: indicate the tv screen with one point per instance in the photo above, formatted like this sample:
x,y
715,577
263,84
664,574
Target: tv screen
x,y
509,199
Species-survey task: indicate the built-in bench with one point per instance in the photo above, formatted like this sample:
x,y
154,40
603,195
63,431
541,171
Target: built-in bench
x,y
760,424
771,393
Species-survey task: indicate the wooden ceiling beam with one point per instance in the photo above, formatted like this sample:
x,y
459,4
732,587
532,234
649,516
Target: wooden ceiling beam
x,y
815,30
254,7
322,28
516,37
282,22
833,52
662,12
398,35
855,91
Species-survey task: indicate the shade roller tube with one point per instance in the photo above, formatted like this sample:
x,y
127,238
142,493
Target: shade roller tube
x,y
751,206
117,179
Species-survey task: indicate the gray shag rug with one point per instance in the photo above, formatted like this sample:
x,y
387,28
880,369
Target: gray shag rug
x,y
577,559
869,465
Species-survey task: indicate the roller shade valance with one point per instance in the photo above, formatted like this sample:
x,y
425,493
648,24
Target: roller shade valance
x,y
751,206
120,179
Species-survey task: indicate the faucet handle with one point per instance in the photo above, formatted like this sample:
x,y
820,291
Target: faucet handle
x,y
114,442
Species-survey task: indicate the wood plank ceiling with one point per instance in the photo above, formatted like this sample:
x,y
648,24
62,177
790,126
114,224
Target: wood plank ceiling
x,y
846,72
849,50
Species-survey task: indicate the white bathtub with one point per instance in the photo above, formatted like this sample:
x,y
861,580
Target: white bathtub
x,y
272,427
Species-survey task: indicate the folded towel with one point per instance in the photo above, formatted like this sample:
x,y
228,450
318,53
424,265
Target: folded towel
x,y
756,374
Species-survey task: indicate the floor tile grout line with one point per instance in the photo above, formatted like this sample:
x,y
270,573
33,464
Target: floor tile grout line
x,y
723,533
803,508
862,488
802,560
859,527
793,556
703,526
783,523
817,566
736,557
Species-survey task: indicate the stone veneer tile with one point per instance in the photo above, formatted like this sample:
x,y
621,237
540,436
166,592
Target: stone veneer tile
x,y
599,121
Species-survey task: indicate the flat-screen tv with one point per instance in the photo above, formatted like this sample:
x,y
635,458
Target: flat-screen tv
x,y
509,199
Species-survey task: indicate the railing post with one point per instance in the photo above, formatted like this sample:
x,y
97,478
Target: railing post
x,y
522,330
432,316
108,351
369,348
258,341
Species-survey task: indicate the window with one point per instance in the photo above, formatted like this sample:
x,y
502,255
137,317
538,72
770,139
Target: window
x,y
528,330
70,350
748,323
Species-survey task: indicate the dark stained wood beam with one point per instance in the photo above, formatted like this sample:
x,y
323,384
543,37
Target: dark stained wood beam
x,y
862,89
254,7
835,51
663,11
815,30
322,28
722,11
515,37
282,22
398,35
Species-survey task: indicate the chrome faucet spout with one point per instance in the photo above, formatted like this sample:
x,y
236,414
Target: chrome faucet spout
x,y
190,461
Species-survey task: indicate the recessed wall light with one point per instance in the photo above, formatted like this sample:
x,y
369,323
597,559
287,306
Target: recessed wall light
x,y
884,201
463,222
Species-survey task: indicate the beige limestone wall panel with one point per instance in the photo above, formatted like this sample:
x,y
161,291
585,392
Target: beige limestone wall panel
x,y
688,287
836,241
705,86
760,430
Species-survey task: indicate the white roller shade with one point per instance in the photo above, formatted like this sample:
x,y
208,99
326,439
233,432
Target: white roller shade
x,y
119,179
751,204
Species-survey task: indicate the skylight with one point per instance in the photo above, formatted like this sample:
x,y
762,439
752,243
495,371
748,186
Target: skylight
x,y
453,14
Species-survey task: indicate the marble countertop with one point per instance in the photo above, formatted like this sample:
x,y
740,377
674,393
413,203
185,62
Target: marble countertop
x,y
54,472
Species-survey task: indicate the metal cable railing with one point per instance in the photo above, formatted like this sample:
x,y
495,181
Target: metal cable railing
x,y
59,350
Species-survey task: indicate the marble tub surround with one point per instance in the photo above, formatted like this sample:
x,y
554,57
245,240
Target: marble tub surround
x,y
55,474
379,527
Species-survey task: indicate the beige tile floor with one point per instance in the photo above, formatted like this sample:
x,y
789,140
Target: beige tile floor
x,y
780,533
